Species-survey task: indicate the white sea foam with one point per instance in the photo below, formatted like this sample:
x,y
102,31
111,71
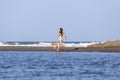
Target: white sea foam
x,y
79,44
44,44
47,44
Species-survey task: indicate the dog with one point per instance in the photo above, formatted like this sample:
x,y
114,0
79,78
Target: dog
x,y
54,45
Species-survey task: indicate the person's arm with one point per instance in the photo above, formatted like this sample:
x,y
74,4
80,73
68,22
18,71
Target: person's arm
x,y
65,36
58,34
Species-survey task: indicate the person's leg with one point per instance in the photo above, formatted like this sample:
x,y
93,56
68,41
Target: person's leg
x,y
58,46
63,45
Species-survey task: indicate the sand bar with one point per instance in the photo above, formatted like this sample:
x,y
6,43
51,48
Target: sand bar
x,y
51,49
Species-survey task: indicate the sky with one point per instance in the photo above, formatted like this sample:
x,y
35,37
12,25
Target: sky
x,y
40,20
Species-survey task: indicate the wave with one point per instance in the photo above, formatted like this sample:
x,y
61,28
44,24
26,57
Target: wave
x,y
46,44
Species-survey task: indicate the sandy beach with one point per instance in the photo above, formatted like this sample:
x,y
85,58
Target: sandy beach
x,y
68,49
30,48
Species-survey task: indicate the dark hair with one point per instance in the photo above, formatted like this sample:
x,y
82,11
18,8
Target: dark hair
x,y
61,31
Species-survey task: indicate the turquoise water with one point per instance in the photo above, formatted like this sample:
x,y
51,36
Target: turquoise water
x,y
59,66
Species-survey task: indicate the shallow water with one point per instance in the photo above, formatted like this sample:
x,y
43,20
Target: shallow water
x,y
59,66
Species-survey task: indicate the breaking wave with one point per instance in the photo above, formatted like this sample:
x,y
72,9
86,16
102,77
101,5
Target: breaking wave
x,y
46,44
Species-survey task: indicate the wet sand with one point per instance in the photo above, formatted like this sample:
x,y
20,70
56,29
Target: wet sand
x,y
51,49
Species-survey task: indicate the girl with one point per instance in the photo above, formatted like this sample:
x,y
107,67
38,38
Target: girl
x,y
61,34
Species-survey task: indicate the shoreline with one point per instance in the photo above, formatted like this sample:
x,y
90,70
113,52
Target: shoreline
x,y
51,49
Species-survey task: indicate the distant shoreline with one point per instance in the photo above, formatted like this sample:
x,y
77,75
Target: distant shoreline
x,y
51,49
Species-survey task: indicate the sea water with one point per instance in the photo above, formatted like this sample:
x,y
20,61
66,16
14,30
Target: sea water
x,y
30,65
47,43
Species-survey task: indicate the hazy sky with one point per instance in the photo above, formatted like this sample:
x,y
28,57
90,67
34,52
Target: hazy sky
x,y
39,20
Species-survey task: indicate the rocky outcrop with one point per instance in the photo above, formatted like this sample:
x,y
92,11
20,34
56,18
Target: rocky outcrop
x,y
107,44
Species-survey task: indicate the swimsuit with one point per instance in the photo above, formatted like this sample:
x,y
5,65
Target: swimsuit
x,y
60,38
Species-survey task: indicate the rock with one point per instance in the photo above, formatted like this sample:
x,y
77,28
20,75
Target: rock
x,y
108,44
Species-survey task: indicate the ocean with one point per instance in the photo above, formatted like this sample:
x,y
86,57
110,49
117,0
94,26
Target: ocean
x,y
37,65
47,43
